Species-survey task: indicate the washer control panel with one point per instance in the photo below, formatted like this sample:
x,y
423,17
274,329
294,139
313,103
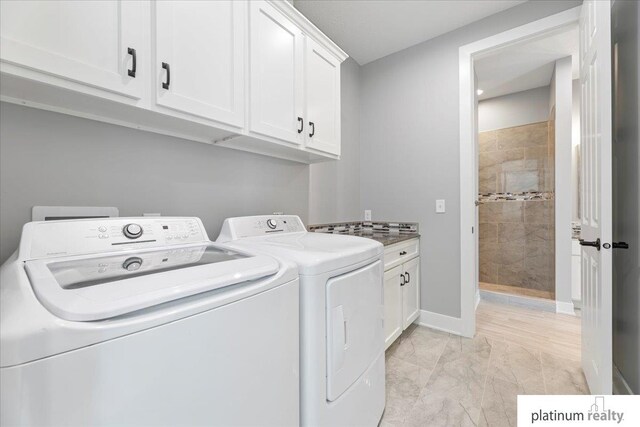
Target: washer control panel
x,y
251,226
88,236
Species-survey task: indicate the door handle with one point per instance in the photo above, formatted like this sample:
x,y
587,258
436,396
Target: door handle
x,y
616,245
403,253
408,276
313,129
166,84
403,280
132,72
595,244
301,124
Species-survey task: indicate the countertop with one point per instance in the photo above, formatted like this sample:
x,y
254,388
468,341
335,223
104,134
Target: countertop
x,y
387,238
385,232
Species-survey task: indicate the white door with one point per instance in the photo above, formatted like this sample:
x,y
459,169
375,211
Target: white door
x,y
200,58
392,305
595,81
410,291
276,90
99,44
322,89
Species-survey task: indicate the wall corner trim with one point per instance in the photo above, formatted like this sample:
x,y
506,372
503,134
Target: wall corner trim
x,y
565,308
440,322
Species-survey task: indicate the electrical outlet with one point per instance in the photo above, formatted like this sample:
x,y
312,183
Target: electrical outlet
x,y
367,215
440,206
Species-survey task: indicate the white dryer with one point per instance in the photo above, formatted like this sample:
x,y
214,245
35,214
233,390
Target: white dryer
x,y
144,321
342,361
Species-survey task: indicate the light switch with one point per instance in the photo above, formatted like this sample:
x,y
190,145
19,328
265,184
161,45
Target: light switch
x,y
367,215
440,206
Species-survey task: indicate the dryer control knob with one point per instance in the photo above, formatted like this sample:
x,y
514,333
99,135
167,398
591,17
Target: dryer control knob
x,y
132,264
132,231
272,224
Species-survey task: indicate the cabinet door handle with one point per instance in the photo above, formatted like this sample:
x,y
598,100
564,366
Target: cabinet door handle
x,y
166,84
403,253
301,124
132,72
313,129
408,276
402,283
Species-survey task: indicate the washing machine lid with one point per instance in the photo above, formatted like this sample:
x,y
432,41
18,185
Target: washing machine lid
x,y
96,287
316,253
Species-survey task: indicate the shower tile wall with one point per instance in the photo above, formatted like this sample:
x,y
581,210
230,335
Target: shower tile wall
x,y
517,236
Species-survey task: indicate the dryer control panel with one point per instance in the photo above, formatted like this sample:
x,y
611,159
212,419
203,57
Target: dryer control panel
x,y
46,239
251,226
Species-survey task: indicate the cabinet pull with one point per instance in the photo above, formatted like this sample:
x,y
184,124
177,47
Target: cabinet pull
x,y
403,253
313,129
403,280
166,84
408,276
301,124
132,72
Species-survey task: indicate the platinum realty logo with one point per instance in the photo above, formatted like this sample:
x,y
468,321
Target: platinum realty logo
x,y
579,410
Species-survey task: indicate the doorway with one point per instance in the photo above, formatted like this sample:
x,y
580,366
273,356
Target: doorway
x,y
540,177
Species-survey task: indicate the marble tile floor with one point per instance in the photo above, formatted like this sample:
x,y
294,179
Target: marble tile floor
x,y
439,379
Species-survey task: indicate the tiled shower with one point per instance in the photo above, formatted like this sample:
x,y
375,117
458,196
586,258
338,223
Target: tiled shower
x,y
517,227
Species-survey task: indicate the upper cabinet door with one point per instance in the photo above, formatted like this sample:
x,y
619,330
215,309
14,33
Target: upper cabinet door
x,y
276,55
322,82
199,58
86,42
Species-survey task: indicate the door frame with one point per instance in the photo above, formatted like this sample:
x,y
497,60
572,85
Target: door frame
x,y
468,170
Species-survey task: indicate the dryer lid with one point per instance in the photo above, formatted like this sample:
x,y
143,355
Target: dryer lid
x,y
90,288
315,253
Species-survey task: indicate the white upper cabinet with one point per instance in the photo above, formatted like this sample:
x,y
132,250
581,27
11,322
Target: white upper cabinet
x,y
276,51
199,55
322,88
97,44
251,75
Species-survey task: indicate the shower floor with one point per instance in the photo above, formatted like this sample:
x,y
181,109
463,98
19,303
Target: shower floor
x,y
516,290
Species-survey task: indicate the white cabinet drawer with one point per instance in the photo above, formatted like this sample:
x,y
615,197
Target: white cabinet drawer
x,y
399,253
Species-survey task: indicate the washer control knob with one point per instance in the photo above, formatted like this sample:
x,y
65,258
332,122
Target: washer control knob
x,y
132,231
132,264
272,224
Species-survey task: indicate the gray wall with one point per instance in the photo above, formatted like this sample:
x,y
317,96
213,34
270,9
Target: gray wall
x,y
409,144
515,109
626,196
53,159
334,187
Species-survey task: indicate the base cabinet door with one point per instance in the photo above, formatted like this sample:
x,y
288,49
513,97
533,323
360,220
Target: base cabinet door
x,y
392,306
199,68
410,291
276,49
322,88
97,44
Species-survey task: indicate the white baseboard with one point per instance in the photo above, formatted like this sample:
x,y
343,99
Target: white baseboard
x,y
440,322
477,297
565,308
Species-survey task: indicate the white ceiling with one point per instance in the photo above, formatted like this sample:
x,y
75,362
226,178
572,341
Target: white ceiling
x,y
370,29
526,65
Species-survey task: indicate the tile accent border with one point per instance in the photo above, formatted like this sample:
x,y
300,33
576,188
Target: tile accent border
x,y
440,322
529,195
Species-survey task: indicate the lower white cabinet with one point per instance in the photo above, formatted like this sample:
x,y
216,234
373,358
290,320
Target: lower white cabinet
x,y
401,288
392,305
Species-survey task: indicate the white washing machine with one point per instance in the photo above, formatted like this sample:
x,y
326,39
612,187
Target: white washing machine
x,y
341,316
144,321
